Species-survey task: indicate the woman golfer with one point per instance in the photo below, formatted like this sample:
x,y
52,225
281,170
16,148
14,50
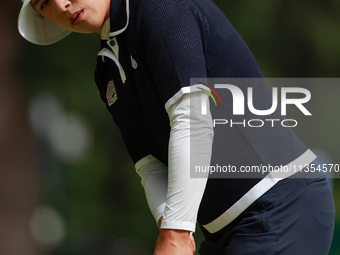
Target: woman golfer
x,y
150,51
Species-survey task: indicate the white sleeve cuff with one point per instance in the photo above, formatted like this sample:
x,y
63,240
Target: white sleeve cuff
x,y
179,225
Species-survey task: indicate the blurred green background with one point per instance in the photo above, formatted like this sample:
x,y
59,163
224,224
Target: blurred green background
x,y
67,185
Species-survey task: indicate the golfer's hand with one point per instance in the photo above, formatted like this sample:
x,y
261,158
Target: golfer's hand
x,y
174,242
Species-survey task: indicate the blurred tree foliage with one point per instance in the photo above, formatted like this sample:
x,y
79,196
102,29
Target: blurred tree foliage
x,y
100,196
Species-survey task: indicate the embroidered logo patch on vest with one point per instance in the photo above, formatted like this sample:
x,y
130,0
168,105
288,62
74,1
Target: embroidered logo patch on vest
x,y
111,94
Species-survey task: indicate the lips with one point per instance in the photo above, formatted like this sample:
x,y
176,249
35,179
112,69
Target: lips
x,y
76,17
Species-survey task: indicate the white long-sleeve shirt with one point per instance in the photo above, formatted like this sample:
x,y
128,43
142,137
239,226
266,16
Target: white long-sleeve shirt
x,y
171,192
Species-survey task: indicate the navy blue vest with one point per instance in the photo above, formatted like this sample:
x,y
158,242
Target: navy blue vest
x,y
165,45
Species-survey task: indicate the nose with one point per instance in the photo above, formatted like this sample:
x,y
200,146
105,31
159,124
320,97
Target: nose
x,y
62,5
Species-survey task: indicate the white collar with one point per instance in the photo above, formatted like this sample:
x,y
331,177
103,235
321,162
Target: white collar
x,y
105,30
